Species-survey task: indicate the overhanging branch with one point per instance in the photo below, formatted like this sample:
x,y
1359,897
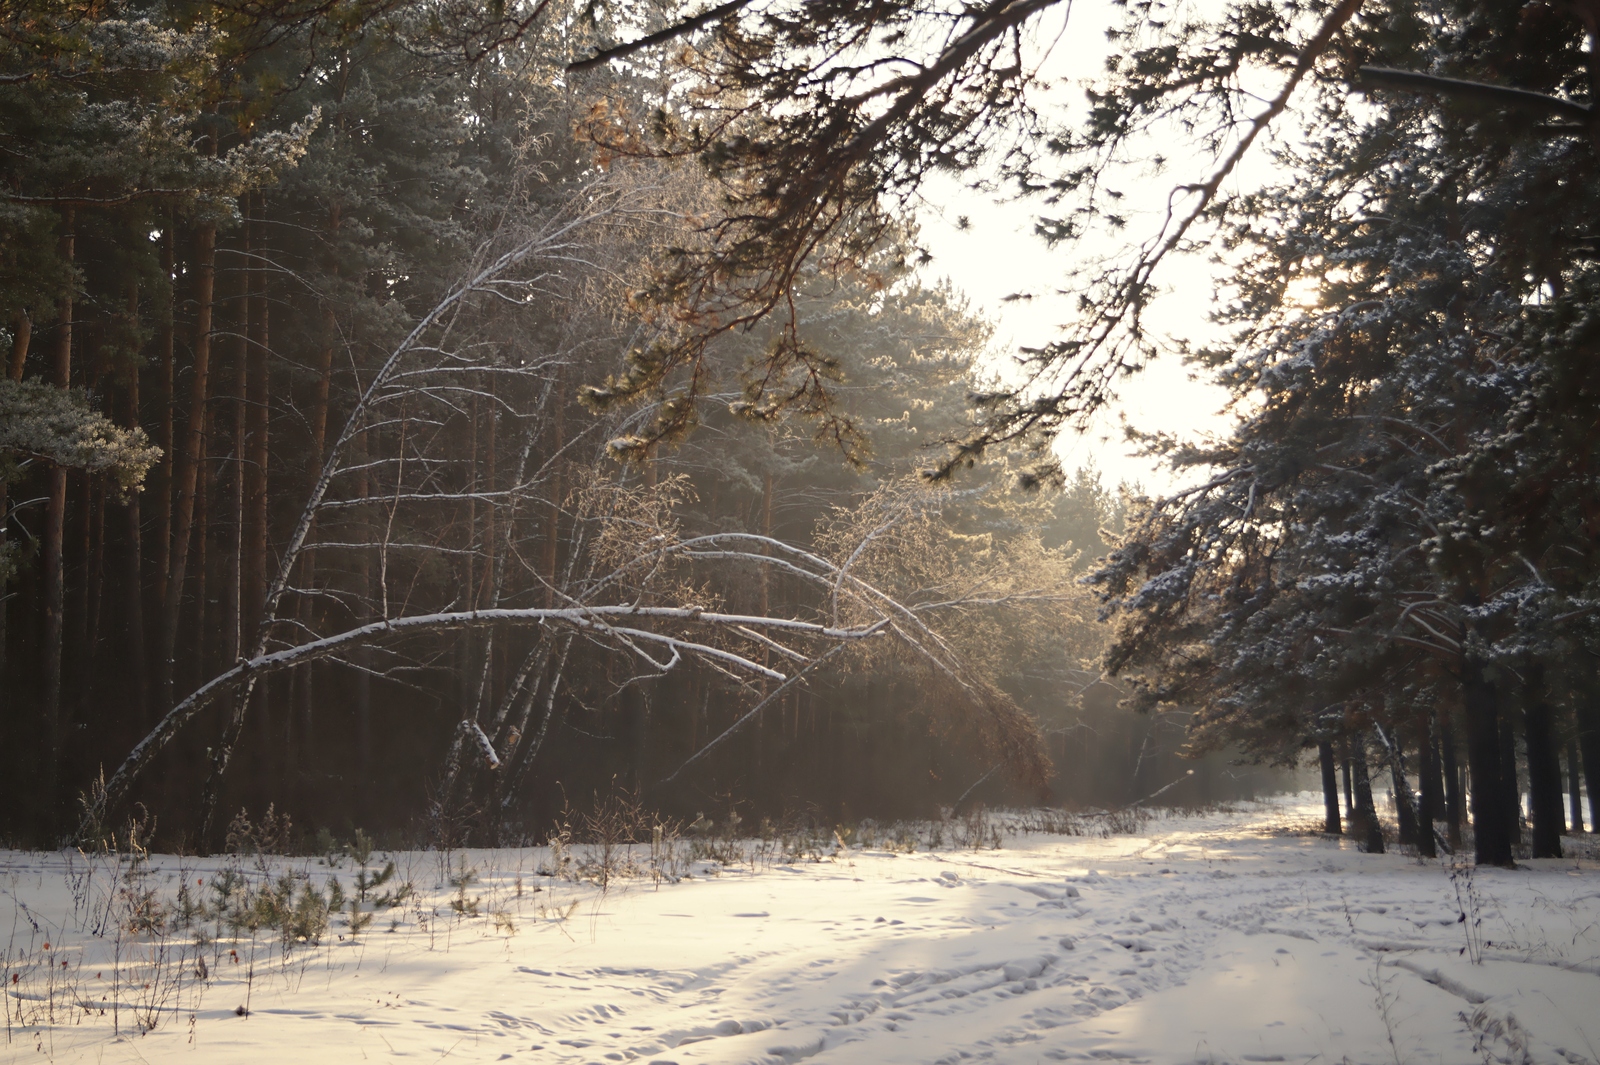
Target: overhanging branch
x,y
679,29
1475,91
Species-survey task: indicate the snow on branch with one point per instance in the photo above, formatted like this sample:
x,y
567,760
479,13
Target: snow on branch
x,y
595,620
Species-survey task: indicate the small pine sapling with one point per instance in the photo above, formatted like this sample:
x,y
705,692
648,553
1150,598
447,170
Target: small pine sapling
x,y
359,919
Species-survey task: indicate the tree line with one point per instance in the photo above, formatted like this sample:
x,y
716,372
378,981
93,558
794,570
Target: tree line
x,y
347,290
1390,558
305,503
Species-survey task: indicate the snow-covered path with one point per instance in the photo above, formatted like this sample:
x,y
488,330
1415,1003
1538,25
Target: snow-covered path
x,y
1215,938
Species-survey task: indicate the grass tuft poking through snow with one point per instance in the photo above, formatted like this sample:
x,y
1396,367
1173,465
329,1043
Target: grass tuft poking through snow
x,y
1020,936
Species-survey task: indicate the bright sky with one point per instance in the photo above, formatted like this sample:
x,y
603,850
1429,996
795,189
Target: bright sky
x,y
999,255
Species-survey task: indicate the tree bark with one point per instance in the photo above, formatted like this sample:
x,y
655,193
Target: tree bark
x,y
1452,780
553,531
1366,815
232,562
253,576
1431,808
134,602
1330,789
1491,828
1589,751
54,565
1349,786
1544,765
187,464
166,342
21,337
1574,787
1410,828
1510,786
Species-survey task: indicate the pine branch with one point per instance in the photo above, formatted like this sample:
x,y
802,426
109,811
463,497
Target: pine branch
x,y
1476,91
689,25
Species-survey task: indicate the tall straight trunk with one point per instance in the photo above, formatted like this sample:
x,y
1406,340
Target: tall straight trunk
x,y
94,570
305,678
1574,787
253,579
21,337
364,600
187,464
166,343
1544,765
5,518
1349,786
55,599
1405,808
204,613
1452,780
82,638
238,402
165,351
134,578
766,530
1330,789
1491,819
1510,787
1366,810
1589,751
1431,808
553,531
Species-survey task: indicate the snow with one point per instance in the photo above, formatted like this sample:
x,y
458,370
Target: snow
x,y
1232,936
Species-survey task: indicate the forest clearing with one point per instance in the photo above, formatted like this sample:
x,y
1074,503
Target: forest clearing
x,y
1229,935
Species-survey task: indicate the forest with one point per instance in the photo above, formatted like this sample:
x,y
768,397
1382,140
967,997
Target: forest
x,y
434,417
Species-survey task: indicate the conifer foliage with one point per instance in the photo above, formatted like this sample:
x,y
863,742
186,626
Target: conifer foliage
x,y
1391,558
301,506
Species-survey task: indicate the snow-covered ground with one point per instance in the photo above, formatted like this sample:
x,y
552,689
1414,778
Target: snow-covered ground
x,y
1224,937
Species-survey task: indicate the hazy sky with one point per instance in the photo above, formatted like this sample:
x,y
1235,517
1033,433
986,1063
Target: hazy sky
x,y
999,255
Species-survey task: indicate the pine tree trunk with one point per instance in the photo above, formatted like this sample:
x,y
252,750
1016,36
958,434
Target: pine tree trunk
x,y
1510,787
5,519
232,561
21,337
92,595
187,463
204,614
253,578
1366,815
553,530
1404,804
134,605
1574,787
1452,780
1544,766
1330,789
166,343
1589,751
1431,808
1491,826
1349,786
55,599
766,530
363,677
